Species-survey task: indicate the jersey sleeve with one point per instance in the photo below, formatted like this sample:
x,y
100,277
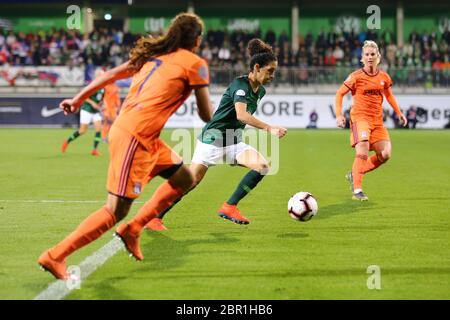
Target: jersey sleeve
x,y
198,74
239,92
350,82
263,93
388,81
98,96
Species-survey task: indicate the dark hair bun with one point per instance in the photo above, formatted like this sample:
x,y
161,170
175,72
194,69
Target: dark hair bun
x,y
256,46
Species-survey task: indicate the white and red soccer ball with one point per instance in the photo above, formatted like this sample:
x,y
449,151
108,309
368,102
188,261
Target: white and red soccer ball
x,y
302,206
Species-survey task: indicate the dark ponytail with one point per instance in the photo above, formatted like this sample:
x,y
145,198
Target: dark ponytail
x,y
260,53
182,33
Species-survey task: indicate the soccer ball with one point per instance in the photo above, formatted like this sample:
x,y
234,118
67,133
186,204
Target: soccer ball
x,y
302,206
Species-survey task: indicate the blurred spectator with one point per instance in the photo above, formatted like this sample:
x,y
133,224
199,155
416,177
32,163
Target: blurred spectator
x,y
271,37
313,117
282,39
423,60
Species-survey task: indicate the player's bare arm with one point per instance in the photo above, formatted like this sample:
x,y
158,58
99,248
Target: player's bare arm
x,y
391,99
245,117
120,72
94,104
204,106
340,119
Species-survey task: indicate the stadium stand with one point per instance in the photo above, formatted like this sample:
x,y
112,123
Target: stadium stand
x,y
314,58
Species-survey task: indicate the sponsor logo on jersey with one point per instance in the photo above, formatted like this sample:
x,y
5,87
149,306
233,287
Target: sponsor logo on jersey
x,y
364,134
382,82
373,92
240,93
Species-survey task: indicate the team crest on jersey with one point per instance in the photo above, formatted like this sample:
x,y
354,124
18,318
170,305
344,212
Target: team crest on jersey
x,y
203,72
137,188
240,93
382,82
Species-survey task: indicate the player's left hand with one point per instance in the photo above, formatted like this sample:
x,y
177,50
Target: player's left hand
x,y
280,132
340,121
403,120
69,106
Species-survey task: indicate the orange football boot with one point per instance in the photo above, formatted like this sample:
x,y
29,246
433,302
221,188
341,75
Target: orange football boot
x,y
57,268
95,152
64,146
231,212
156,224
130,241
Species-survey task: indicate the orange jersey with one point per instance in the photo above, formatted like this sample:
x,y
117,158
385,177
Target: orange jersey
x,y
157,90
367,91
111,100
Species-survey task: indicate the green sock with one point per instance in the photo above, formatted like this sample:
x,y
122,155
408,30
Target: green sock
x,y
247,183
97,139
73,136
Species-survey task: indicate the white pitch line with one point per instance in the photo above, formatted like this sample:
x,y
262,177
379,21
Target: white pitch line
x,y
59,289
57,201
52,201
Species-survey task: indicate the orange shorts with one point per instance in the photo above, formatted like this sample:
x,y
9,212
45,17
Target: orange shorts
x,y
132,166
362,130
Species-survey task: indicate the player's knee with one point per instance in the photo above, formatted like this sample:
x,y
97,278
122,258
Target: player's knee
x,y
119,208
187,182
82,131
263,169
385,156
197,179
119,214
195,182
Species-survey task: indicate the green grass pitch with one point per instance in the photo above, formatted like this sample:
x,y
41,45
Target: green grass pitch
x,y
403,229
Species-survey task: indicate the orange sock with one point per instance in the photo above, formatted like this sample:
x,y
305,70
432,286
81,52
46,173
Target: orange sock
x,y
163,198
358,170
90,229
105,130
372,163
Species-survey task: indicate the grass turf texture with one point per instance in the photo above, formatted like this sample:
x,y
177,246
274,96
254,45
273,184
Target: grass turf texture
x,y
403,228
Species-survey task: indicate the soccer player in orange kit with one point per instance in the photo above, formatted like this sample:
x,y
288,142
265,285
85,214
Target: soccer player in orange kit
x,y
164,70
368,85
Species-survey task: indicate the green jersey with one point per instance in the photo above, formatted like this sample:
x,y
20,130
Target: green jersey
x,y
225,129
96,97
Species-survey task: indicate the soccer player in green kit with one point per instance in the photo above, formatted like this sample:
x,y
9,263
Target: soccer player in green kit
x,y
89,112
222,136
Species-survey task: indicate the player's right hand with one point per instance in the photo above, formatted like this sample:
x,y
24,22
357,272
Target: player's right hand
x,y
340,121
280,132
68,106
403,120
